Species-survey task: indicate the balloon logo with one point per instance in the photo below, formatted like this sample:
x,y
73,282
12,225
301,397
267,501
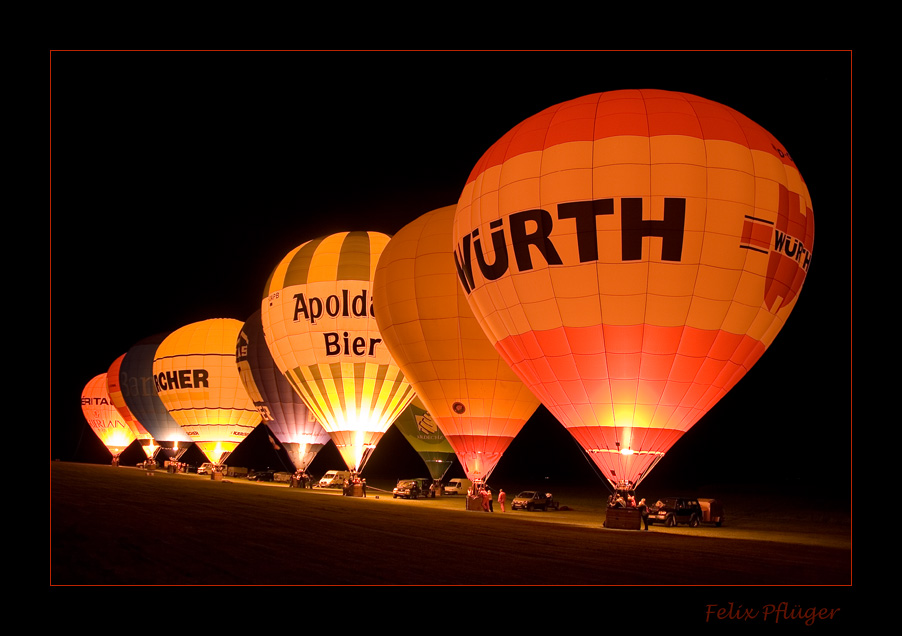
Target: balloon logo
x,y
317,316
479,403
197,380
631,255
419,428
281,408
103,418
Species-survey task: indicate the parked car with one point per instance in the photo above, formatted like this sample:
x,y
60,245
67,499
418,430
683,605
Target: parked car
x,y
261,475
411,488
672,511
205,469
534,500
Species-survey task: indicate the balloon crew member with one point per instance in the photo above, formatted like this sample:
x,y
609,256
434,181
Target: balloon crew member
x,y
643,511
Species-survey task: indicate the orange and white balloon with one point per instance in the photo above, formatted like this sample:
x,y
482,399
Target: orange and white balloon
x,y
632,254
478,402
103,417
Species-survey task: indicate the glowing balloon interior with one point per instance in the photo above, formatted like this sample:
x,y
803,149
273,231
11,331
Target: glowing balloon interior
x,y
280,406
197,380
103,418
317,316
479,403
632,254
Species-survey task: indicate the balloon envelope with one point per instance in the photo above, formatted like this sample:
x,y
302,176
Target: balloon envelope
x,y
280,406
318,322
197,380
632,254
103,418
118,398
136,382
419,428
479,403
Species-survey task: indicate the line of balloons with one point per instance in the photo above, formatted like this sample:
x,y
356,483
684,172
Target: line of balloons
x,y
623,258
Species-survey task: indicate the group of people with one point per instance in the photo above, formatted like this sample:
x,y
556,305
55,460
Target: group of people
x,y
617,500
483,492
300,479
347,487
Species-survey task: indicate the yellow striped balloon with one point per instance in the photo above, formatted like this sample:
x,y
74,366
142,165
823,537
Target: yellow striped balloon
x,y
196,376
319,325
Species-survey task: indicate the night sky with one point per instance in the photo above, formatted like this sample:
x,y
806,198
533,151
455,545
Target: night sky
x,y
180,179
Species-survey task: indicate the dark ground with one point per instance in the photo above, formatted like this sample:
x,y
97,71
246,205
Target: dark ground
x,y
122,526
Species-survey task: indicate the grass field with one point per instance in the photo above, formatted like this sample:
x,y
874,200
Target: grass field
x,y
123,526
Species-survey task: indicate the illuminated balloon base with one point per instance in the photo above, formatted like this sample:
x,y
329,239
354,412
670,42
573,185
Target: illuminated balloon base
x,y
612,449
215,450
149,447
437,464
478,464
355,447
301,453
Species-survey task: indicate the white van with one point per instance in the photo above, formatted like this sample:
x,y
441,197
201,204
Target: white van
x,y
333,479
457,487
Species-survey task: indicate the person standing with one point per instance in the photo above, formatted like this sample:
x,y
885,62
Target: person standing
x,y
501,498
643,511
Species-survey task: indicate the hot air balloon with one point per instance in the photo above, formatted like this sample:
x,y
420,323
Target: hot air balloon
x,y
318,322
136,382
197,380
632,254
103,418
280,406
113,385
479,403
421,430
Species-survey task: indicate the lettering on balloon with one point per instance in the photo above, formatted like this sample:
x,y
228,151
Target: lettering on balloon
x,y
101,423
312,308
530,232
264,411
345,304
182,379
793,248
761,235
347,345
